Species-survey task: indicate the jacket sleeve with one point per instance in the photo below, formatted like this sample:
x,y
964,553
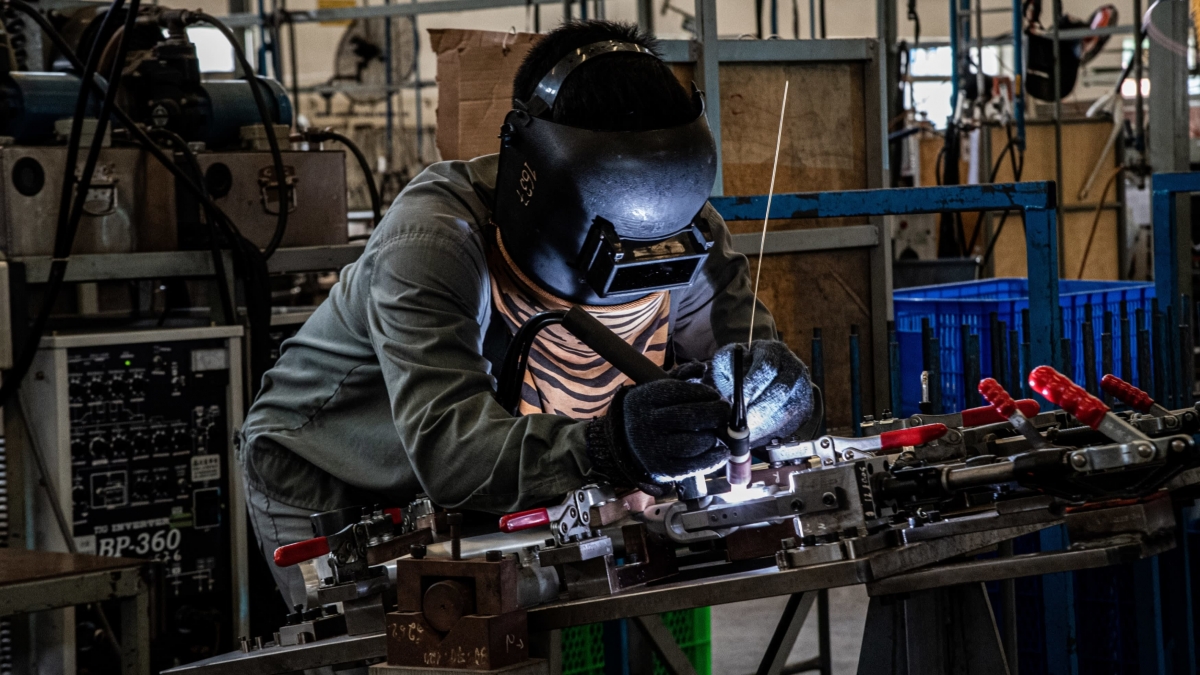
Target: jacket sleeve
x,y
715,310
424,317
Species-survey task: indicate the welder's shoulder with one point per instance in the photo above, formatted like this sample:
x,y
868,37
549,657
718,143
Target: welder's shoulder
x,y
448,202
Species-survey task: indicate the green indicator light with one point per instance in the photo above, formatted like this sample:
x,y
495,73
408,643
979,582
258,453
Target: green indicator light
x,y
129,363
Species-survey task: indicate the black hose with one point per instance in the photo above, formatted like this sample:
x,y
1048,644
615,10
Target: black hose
x,y
516,359
256,87
368,175
210,219
68,218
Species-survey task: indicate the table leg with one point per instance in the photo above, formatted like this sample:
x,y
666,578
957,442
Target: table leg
x,y
135,632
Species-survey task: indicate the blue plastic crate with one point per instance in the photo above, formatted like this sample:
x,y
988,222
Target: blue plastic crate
x,y
949,306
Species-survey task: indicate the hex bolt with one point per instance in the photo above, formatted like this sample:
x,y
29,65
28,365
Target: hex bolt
x,y
417,551
829,499
493,556
454,520
797,505
1079,460
1145,451
953,436
1178,445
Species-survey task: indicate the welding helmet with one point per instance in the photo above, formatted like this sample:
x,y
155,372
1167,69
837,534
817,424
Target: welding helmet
x,y
602,217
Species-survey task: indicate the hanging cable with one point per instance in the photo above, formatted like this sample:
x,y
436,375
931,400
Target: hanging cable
x,y
256,87
368,176
1087,250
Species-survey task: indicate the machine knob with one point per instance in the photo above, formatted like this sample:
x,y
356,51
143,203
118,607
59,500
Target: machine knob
x,y
122,446
119,387
137,386
99,447
158,441
181,440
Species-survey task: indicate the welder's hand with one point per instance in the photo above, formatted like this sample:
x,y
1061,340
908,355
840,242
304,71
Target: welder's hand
x,y
777,388
659,432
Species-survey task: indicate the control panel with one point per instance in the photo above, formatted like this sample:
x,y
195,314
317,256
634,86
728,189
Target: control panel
x,y
149,441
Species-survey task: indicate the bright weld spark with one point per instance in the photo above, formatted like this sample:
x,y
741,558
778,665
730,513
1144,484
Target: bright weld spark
x,y
766,217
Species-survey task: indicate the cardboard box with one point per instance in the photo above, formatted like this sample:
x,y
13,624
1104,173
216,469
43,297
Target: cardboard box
x,y
475,70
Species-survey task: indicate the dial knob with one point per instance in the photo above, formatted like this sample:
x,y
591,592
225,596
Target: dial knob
x,y
99,447
122,446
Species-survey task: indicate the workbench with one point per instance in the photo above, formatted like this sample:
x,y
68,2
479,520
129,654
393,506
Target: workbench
x,y
934,575
37,581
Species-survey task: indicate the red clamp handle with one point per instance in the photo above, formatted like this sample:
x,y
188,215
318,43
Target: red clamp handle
x,y
996,395
890,440
515,522
292,554
396,514
1064,393
1126,393
987,414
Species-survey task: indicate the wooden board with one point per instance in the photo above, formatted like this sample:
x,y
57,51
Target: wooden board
x,y
1102,262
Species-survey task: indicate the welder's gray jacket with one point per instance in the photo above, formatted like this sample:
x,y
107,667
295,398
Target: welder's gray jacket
x,y
387,391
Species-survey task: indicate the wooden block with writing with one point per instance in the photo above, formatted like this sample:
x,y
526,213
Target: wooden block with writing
x,y
475,643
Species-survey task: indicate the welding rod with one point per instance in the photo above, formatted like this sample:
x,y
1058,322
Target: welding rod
x,y
1014,358
932,361
1026,354
855,382
1145,368
893,368
971,374
1089,356
1161,388
1127,336
1106,359
996,346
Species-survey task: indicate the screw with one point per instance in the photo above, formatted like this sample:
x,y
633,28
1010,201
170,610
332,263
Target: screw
x,y
917,421
953,436
417,551
829,499
493,556
797,505
1079,460
1145,451
1178,445
824,442
849,454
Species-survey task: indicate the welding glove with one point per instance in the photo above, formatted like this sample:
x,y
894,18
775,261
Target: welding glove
x,y
659,432
777,388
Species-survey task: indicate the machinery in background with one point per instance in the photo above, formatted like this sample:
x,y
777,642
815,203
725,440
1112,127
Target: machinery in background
x,y
135,429
134,203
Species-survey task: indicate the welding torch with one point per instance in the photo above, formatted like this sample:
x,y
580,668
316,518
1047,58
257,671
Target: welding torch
x,y
737,471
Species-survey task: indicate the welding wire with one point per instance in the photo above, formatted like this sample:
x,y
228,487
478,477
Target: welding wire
x,y
996,346
855,382
1106,359
1145,366
762,243
971,349
1026,355
1089,357
1127,336
893,368
1014,358
964,336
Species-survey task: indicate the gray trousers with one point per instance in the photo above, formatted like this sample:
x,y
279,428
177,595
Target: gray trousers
x,y
276,524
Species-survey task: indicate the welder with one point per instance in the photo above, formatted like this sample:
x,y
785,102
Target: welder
x,y
598,198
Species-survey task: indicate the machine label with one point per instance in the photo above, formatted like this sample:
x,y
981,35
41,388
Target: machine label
x,y
206,468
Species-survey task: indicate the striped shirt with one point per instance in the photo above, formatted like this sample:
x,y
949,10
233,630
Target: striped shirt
x,y
564,376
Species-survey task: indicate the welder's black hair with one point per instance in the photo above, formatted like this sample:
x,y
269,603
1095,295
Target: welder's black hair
x,y
619,92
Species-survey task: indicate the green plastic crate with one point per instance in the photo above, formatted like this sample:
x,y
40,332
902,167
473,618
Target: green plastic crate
x,y
583,646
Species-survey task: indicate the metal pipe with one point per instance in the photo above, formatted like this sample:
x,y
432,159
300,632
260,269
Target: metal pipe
x,y
817,367
1139,114
1106,358
1014,359
1156,351
1018,44
1127,336
973,375
1058,154
1145,378
931,363
894,368
1026,354
996,347
1089,356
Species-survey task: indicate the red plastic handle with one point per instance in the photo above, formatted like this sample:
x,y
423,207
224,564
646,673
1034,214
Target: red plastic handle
x,y
1126,393
975,417
890,440
292,554
1067,395
996,395
396,514
515,522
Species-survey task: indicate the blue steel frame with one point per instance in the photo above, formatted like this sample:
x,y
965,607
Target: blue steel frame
x,y
1037,200
1165,187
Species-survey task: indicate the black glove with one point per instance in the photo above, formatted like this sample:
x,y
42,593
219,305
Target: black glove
x,y
659,432
777,388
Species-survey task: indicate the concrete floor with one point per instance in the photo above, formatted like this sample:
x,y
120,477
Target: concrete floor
x,y
741,631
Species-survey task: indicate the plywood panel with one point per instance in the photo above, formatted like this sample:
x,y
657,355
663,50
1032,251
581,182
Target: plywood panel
x,y
1083,143
1102,261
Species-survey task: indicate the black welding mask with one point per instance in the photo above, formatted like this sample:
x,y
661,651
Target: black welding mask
x,y
602,217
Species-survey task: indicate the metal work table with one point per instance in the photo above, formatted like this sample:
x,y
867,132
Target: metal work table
x,y
909,568
35,581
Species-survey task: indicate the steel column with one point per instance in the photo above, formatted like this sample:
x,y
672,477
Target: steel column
x,y
706,54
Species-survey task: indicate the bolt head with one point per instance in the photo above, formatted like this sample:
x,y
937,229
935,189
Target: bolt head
x,y
1079,460
797,505
824,442
829,499
849,454
1145,451
1178,445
